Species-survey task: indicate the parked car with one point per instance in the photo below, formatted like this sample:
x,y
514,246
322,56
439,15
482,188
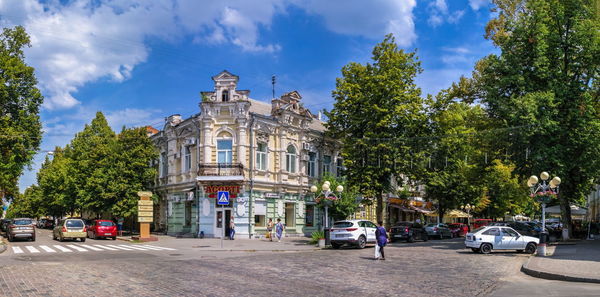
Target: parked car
x,y
477,223
408,231
521,227
102,229
41,223
4,224
438,230
458,229
352,232
21,228
488,238
69,229
48,224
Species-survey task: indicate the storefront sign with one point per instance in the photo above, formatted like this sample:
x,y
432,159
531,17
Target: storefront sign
x,y
215,189
145,214
145,208
145,202
272,195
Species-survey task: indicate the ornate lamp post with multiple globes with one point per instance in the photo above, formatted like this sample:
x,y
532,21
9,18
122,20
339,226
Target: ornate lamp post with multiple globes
x,y
543,192
327,195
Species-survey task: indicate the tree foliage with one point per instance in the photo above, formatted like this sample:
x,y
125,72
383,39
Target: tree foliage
x,y
20,127
376,102
346,204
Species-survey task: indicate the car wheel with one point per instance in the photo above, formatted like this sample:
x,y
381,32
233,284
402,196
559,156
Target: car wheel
x,y
61,238
362,242
486,248
475,250
32,238
424,236
10,239
410,238
531,248
82,239
441,236
114,238
333,245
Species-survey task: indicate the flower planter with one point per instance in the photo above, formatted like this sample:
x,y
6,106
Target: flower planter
x,y
321,242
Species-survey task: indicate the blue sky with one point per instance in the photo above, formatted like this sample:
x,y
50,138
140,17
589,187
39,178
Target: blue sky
x,y
140,61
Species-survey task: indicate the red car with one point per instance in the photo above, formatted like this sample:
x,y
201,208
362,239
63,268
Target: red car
x,y
481,222
458,229
102,229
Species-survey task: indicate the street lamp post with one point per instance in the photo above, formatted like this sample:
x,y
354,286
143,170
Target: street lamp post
x,y
543,192
468,208
327,193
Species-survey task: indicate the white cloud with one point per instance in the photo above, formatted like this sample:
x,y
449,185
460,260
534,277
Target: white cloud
x,y
439,13
358,17
477,4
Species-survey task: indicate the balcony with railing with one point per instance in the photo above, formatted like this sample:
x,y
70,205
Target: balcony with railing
x,y
220,172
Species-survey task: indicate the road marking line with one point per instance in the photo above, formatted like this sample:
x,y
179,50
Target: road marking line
x,y
79,249
105,247
139,248
47,249
17,250
159,247
62,248
91,247
32,250
120,247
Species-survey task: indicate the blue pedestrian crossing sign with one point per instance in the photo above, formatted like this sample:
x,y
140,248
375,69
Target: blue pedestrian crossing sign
x,y
223,198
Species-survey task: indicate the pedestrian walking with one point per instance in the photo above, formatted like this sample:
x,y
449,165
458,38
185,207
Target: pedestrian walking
x,y
279,229
231,228
120,221
382,239
270,229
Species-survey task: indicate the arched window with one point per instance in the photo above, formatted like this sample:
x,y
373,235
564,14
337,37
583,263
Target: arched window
x,y
224,148
225,96
290,159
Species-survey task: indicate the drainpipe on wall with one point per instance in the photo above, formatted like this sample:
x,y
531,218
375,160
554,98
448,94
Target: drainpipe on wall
x,y
197,124
251,176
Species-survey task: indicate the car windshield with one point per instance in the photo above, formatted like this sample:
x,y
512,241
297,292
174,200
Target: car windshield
x,y
74,223
22,222
106,224
478,229
431,225
342,224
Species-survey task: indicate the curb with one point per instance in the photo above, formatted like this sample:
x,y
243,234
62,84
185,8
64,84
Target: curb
x,y
3,248
555,276
253,250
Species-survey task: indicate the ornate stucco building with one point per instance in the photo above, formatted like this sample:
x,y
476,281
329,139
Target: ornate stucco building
x,y
266,155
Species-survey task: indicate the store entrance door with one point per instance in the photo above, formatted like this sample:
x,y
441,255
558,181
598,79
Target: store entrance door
x,y
223,217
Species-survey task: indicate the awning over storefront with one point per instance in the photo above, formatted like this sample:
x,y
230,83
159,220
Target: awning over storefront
x,y
455,213
401,208
421,209
575,210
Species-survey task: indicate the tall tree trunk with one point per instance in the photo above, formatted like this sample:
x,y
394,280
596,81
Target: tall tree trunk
x,y
565,210
379,209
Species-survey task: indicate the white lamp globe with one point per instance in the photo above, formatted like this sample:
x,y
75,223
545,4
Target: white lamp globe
x,y
339,188
556,180
314,189
327,182
533,180
544,175
325,187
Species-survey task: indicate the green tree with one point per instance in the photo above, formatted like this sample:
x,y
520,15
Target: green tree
x,y
375,103
20,127
133,156
346,204
57,184
505,190
545,76
92,155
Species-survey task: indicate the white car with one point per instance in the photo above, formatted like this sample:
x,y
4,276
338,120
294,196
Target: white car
x,y
352,232
488,238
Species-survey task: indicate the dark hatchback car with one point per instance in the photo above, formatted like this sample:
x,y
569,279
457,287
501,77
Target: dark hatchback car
x,y
408,231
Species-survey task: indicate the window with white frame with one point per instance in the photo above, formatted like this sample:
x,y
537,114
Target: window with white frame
x,y
224,151
290,159
326,164
339,167
311,168
261,156
187,159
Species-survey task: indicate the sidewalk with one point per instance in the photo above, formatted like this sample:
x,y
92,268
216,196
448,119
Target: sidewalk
x,y
577,262
287,244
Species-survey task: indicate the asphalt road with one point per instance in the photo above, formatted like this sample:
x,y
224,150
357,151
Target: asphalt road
x,y
434,268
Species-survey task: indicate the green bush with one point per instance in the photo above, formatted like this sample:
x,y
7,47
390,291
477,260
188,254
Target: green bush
x,y
315,236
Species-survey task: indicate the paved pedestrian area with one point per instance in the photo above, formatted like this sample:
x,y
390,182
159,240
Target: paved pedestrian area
x,y
434,268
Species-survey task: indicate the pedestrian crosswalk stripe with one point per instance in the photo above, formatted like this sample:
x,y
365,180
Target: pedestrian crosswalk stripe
x,y
17,250
62,248
137,248
91,247
105,247
120,247
47,249
32,249
158,248
77,248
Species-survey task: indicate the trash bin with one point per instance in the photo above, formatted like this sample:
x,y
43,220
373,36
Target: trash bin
x,y
327,239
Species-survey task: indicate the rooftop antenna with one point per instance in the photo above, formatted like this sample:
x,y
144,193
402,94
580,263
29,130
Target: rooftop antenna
x,y
273,83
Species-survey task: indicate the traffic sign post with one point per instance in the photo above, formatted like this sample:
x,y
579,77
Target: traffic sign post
x,y
222,199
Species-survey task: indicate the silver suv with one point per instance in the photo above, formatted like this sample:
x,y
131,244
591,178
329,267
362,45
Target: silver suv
x,y
21,228
352,232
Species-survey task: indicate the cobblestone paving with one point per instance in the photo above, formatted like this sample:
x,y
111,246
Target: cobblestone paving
x,y
435,268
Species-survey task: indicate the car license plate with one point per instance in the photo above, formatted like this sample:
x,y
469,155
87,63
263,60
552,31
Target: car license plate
x,y
397,235
107,233
339,235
